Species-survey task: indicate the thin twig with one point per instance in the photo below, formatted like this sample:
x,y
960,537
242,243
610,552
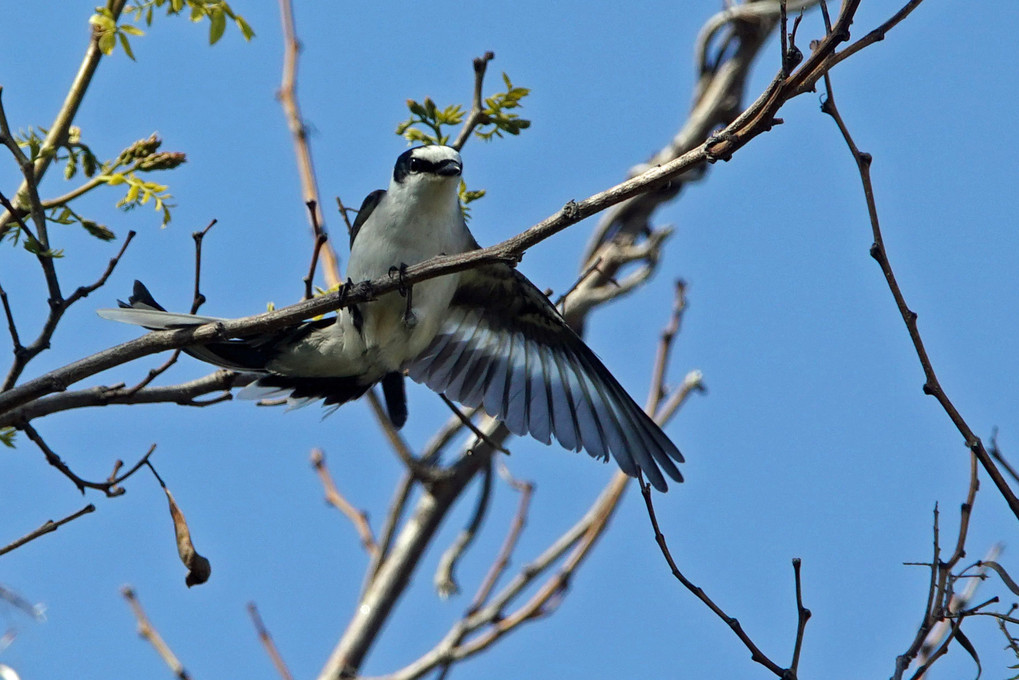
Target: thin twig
x,y
266,639
934,602
802,616
57,306
591,269
477,115
996,455
12,327
83,291
444,580
152,636
184,394
393,516
49,527
30,189
469,424
668,335
287,96
320,241
358,518
755,653
932,385
346,218
396,440
199,236
516,527
110,487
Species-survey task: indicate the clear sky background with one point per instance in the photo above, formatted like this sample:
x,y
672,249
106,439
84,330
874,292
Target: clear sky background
x,y
814,440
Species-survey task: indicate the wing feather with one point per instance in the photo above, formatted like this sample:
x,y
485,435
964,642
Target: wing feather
x,y
504,348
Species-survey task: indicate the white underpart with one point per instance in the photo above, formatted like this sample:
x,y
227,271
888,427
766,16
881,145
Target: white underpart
x,y
417,219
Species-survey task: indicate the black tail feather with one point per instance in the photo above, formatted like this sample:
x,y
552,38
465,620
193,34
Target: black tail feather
x,y
334,391
396,398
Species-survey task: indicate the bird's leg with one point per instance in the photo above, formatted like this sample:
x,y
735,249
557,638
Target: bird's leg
x,y
355,310
406,291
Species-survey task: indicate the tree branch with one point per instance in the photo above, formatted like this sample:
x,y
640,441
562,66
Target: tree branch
x,y
931,385
49,527
295,122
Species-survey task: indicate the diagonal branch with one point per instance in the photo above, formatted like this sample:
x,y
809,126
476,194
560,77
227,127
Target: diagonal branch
x,y
49,527
757,119
932,385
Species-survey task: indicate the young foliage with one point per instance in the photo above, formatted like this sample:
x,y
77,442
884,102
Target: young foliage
x,y
498,115
427,124
140,192
7,436
141,156
467,197
429,116
216,11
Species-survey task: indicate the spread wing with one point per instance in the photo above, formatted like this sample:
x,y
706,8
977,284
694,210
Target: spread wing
x,y
504,348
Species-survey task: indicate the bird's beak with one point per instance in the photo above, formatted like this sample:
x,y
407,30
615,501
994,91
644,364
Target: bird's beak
x,y
449,168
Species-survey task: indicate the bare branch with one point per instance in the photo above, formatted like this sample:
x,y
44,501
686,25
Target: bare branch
x,y
802,616
12,327
295,121
266,639
151,635
184,394
931,385
49,527
444,580
997,455
755,653
393,516
359,518
320,240
477,115
110,487
502,560
198,299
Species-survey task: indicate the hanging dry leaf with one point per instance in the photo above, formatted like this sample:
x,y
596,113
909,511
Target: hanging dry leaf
x,y
199,568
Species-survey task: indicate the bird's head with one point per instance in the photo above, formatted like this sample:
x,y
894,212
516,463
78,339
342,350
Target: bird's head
x,y
428,169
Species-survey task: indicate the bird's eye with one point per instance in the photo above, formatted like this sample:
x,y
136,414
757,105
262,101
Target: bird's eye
x,y
417,165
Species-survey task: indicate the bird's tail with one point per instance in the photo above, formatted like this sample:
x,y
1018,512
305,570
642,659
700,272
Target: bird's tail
x,y
244,354
253,354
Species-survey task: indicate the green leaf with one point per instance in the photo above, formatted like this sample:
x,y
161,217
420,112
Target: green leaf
x,y
106,43
34,247
131,30
71,167
126,45
7,436
217,25
246,29
416,108
100,231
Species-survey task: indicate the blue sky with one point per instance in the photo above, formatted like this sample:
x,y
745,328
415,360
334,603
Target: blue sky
x,y
813,441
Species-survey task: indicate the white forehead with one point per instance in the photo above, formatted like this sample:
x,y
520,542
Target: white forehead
x,y
437,154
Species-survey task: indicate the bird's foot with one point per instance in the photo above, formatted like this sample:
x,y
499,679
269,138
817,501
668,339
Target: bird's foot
x,y
407,291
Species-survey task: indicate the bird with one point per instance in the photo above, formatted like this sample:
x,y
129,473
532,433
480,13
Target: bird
x,y
485,337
